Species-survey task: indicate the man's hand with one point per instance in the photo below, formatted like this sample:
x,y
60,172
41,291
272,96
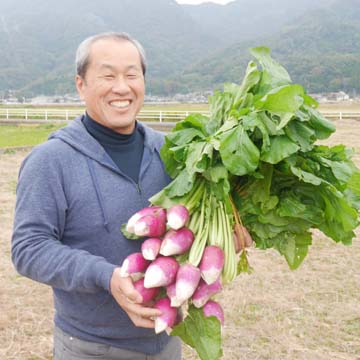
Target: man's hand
x,y
122,289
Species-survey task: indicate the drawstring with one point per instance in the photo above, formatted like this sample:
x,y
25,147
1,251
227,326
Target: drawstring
x,y
98,193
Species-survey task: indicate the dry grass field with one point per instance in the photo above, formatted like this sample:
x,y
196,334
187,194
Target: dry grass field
x,y
312,313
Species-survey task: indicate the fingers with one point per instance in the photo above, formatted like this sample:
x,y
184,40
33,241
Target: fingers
x,y
142,322
142,311
140,315
125,286
129,299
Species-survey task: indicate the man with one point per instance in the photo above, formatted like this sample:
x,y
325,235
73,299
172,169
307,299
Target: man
x,y
73,194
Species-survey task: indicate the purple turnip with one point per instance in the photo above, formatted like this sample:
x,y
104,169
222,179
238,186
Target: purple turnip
x,y
211,263
134,265
168,317
150,248
212,308
177,242
147,294
150,225
161,272
171,293
187,280
204,292
156,211
177,216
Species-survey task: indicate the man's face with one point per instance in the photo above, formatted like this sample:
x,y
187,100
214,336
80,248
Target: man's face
x,y
113,88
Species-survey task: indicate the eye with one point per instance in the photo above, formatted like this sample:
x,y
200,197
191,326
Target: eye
x,y
109,76
132,76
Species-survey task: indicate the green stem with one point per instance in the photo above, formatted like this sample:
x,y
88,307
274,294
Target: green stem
x,y
195,196
220,229
214,223
229,271
199,243
194,222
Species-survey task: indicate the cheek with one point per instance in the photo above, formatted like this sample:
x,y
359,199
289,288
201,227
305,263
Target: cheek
x,y
140,88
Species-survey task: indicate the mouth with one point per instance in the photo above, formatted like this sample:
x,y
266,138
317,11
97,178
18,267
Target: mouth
x,y
120,104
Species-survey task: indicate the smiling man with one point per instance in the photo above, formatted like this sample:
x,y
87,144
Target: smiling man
x,y
74,193
112,82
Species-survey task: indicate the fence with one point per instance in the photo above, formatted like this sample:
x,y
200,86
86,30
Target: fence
x,y
30,115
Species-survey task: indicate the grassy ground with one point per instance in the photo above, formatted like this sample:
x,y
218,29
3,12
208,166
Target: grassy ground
x,y
312,313
25,135
336,106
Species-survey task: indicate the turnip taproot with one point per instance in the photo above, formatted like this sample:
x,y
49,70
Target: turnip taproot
x,y
171,293
168,317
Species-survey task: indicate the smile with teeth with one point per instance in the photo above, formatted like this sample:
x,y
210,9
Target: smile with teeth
x,y
120,104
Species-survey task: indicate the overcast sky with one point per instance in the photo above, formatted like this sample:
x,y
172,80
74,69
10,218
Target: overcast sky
x,y
202,1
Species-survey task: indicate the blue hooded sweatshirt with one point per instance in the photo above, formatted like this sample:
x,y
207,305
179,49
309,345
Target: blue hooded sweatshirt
x,y
71,202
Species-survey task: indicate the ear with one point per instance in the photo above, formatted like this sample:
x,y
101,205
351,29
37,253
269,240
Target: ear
x,y
80,86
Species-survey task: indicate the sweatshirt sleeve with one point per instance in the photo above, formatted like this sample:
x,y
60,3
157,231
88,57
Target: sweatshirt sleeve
x,y
40,215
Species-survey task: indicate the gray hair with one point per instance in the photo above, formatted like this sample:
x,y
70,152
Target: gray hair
x,y
82,59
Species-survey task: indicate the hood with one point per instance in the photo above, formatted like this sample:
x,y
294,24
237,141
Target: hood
x,y
76,135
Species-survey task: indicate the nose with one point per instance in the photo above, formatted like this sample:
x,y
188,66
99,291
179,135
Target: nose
x,y
120,85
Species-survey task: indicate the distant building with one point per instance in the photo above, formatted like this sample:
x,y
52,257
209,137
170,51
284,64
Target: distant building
x,y
337,96
331,97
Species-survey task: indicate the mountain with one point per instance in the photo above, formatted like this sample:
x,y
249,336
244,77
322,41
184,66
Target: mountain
x,y
320,49
247,20
38,38
189,47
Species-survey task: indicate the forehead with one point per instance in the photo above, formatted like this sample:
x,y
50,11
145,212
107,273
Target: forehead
x,y
114,51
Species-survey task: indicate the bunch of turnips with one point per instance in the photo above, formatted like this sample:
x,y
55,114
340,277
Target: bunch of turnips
x,y
162,270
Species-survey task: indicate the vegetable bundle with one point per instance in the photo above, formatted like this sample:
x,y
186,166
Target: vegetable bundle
x,y
254,164
159,267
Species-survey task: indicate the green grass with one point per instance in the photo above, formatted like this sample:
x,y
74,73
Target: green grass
x,y
25,135
147,106
177,107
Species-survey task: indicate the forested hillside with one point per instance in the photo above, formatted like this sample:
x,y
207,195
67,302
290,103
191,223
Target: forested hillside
x,y
189,47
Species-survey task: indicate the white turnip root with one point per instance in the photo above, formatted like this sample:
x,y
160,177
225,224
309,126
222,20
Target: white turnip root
x,y
150,248
187,280
177,242
168,317
161,272
211,263
177,216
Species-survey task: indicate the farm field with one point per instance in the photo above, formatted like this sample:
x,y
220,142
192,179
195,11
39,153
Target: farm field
x,y
330,106
27,134
312,313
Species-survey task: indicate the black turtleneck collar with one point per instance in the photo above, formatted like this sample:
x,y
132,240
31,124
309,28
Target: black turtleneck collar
x,y
107,136
126,150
